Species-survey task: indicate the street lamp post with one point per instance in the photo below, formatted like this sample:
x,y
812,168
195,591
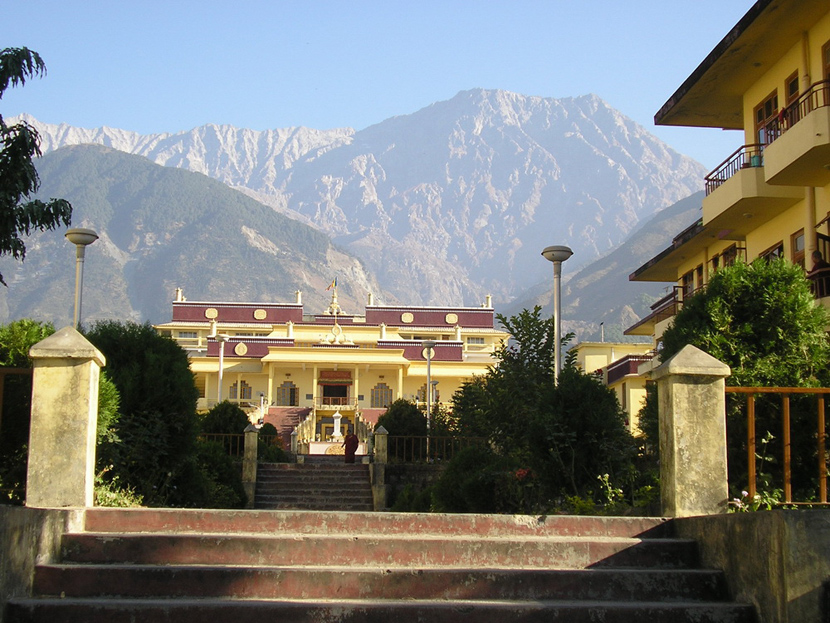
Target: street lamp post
x,y
557,255
428,346
81,238
222,339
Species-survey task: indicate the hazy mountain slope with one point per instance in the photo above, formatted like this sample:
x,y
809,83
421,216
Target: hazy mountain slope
x,y
453,201
460,198
164,228
601,291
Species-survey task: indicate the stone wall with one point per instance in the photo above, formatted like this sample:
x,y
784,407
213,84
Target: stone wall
x,y
777,560
29,536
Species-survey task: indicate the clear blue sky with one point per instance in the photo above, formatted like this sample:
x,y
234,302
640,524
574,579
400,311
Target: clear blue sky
x,y
172,65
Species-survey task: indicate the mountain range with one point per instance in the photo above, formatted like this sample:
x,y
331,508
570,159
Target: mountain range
x,y
442,206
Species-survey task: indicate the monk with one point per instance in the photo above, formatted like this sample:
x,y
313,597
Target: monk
x,y
350,444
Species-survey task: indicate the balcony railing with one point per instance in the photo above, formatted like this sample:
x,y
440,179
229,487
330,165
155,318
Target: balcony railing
x,y
343,403
783,464
817,96
628,365
744,157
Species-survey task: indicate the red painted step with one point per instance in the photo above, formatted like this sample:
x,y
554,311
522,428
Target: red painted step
x,y
172,565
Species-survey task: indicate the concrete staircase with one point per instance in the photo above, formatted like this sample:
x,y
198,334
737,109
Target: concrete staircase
x,y
324,484
305,566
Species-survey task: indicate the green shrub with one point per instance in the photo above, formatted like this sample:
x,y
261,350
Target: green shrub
x,y
109,492
413,500
225,418
476,481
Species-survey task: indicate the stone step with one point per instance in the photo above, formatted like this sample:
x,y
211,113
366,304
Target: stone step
x,y
387,583
315,494
327,486
330,480
337,464
379,550
315,504
123,520
369,611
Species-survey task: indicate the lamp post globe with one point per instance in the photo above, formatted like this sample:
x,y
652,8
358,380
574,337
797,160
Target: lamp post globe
x,y
81,238
557,254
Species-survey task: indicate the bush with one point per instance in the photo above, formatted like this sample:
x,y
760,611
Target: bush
x,y
404,419
413,500
477,480
547,441
226,419
153,444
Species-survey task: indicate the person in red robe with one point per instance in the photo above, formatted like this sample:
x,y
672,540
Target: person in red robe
x,y
350,444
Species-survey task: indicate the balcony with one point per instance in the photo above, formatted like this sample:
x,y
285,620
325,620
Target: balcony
x,y
667,307
738,198
625,367
800,153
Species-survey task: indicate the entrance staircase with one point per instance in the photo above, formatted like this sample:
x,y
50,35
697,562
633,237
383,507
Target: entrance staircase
x,y
323,484
307,567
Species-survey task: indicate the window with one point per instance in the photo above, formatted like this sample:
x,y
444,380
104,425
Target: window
x,y
797,247
729,255
242,393
825,57
475,341
790,116
187,335
422,393
792,88
699,276
766,120
687,284
381,396
288,395
773,253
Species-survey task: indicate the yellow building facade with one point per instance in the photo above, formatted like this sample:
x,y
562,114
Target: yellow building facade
x,y
618,364
331,372
769,78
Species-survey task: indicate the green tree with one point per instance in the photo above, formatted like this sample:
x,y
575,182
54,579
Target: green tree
x,y
404,419
762,321
156,449
225,418
19,145
557,439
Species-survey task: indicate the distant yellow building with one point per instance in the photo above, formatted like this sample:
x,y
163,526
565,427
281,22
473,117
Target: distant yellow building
x,y
770,78
332,371
618,364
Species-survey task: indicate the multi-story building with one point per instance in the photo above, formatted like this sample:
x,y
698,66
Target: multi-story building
x,y
617,363
769,78
333,370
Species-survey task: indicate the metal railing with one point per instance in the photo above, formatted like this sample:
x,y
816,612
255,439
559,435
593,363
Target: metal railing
x,y
817,96
341,402
626,366
423,449
234,444
786,438
746,156
820,282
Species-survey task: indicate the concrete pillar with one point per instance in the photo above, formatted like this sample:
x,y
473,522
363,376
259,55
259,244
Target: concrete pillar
x,y
249,464
62,438
377,469
692,417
